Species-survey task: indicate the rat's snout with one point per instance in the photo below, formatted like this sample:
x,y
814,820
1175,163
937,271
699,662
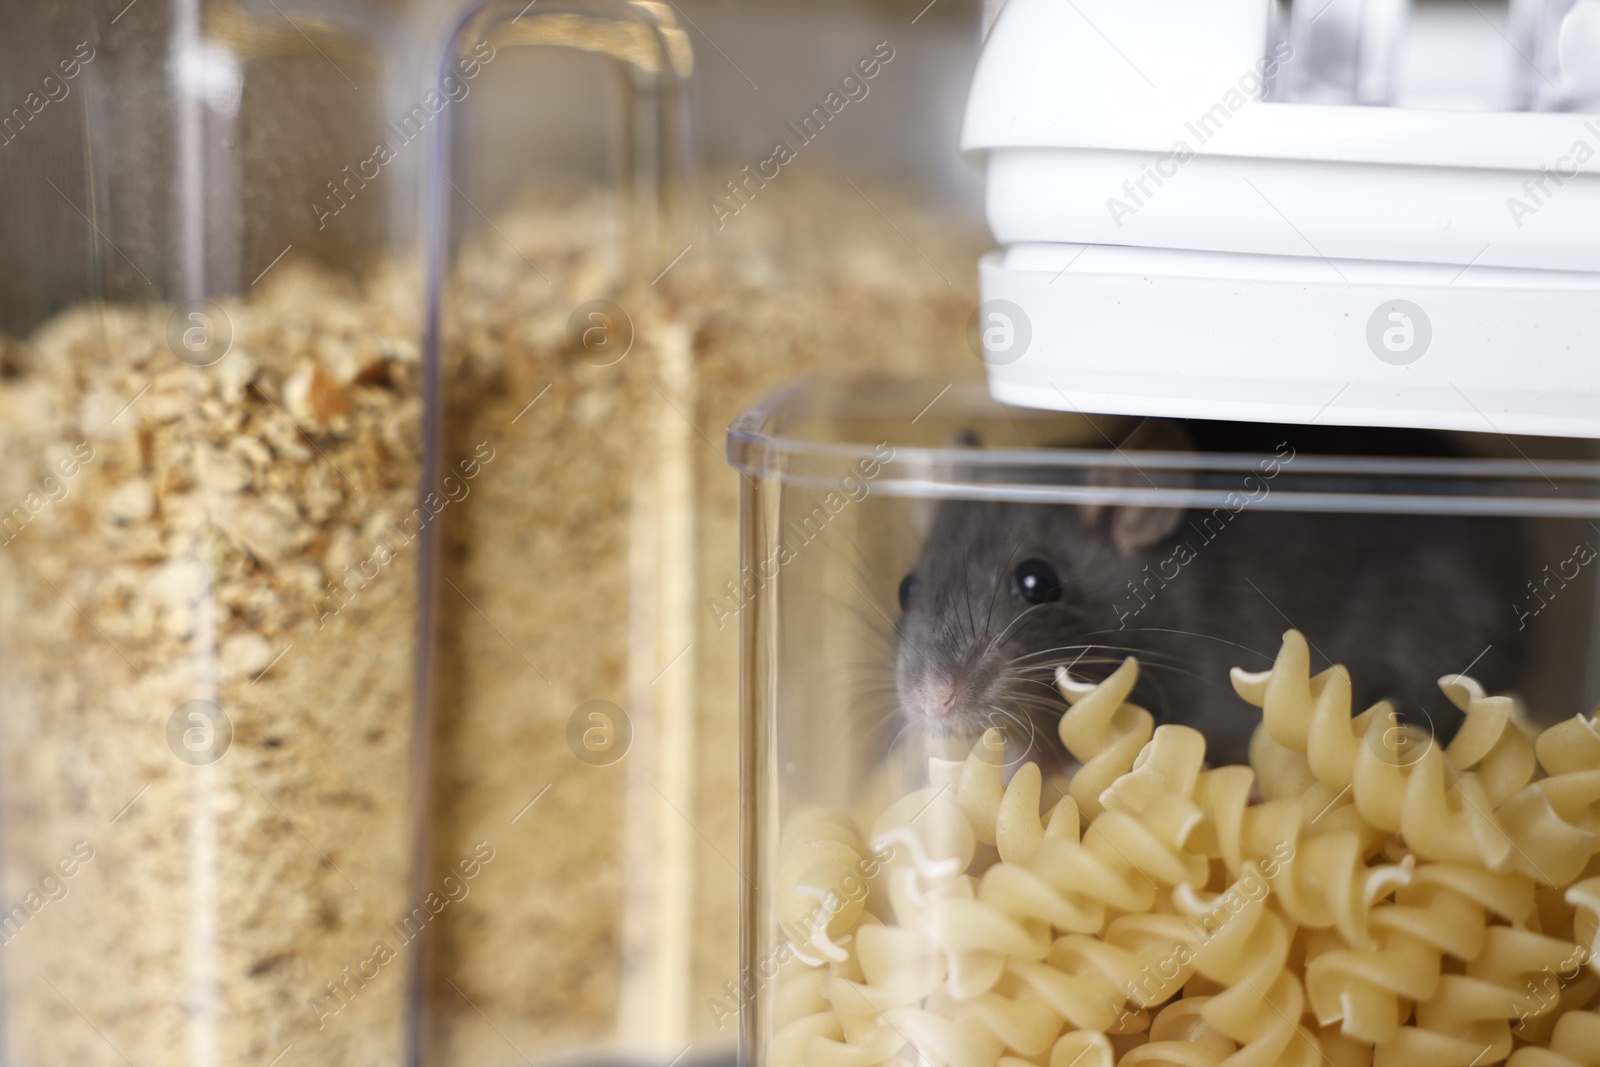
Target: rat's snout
x,y
950,691
935,695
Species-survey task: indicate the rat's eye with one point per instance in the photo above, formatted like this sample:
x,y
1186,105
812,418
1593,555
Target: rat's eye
x,y
1035,582
906,585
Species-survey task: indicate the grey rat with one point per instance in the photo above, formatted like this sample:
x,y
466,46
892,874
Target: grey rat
x,y
1004,592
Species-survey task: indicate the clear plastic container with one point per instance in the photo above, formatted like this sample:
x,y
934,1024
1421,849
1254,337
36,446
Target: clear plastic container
x,y
947,869
600,323
561,575
210,418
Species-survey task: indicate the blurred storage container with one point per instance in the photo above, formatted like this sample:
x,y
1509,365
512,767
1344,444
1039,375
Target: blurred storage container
x,y
211,412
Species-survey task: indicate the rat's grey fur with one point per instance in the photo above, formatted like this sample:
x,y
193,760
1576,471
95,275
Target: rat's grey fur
x,y
1400,600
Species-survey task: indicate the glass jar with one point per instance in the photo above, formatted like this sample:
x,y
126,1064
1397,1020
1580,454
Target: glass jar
x,y
969,841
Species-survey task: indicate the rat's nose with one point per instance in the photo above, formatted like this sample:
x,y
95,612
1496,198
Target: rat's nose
x,y
936,696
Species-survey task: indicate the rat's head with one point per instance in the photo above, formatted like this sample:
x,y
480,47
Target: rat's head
x,y
1005,592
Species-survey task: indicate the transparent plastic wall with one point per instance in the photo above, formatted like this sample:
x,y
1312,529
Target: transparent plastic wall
x,y
605,306
210,420
957,854
563,712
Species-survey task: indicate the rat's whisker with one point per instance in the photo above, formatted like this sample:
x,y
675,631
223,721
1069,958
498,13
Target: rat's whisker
x,y
1004,570
966,585
1007,631
1141,654
1267,657
1192,675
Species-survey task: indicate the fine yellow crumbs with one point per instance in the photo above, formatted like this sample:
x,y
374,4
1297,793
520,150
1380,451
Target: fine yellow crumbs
x,y
1391,901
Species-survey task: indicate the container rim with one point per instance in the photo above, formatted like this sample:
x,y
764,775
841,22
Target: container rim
x,y
769,440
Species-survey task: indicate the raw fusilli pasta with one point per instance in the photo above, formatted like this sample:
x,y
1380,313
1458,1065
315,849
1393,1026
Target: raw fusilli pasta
x,y
1384,902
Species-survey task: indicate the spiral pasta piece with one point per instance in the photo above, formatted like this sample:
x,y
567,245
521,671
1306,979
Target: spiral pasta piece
x,y
1443,910
1570,747
1575,1043
1584,897
1307,718
1553,826
1262,1002
820,895
1007,815
1180,1037
1120,863
946,1042
1467,1018
1490,739
1325,882
1103,730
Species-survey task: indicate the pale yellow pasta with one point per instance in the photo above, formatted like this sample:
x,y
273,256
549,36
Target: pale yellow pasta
x,y
819,893
821,1050
1584,897
1103,730
1358,897
1553,824
799,995
1574,1043
1444,910
1341,1051
1306,724
791,1043
927,830
1026,1023
1262,1001
1490,740
1468,1017
1471,802
1565,997
1570,747
1180,1037
1167,768
1082,1048
1281,773
946,1042
979,786
1449,817
1007,815
1325,882
901,962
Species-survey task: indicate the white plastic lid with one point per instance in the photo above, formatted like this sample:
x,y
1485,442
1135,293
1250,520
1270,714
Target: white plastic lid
x,y
1176,244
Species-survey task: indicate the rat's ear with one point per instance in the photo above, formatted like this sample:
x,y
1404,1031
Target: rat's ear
x,y
1132,528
